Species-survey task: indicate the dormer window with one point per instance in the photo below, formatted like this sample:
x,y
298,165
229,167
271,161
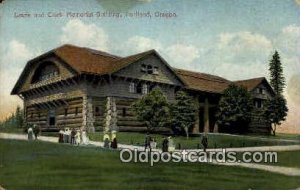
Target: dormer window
x,y
45,71
155,70
149,69
144,68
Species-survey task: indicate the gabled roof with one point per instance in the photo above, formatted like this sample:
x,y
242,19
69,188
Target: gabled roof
x,y
85,60
202,81
89,61
250,84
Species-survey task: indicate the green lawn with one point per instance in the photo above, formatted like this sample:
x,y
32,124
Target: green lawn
x,y
288,159
11,130
214,140
41,165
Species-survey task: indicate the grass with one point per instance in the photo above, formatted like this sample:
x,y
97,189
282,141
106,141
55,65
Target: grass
x,y
11,130
41,165
285,136
214,140
288,159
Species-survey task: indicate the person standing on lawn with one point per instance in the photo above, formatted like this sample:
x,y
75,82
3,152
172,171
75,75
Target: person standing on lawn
x,y
147,141
36,131
30,133
165,144
114,144
77,137
73,133
204,142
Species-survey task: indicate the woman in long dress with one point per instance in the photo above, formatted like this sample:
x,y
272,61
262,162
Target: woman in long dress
x,y
30,133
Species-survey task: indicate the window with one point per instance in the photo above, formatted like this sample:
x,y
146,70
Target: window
x,y
260,91
144,68
45,71
97,111
132,87
149,69
52,121
155,70
258,104
76,111
124,112
145,89
66,111
139,88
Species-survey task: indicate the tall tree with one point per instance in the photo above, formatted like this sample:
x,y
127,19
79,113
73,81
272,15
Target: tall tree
x,y
19,117
277,80
153,109
275,111
276,108
183,112
235,108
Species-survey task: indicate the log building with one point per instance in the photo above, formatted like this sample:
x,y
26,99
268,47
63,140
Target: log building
x,y
78,87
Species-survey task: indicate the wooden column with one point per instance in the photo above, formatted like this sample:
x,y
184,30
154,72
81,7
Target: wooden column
x,y
88,115
197,121
206,116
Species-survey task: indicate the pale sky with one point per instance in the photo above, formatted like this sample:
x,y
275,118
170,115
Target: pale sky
x,y
230,38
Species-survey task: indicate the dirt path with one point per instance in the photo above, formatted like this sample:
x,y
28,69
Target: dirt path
x,y
275,169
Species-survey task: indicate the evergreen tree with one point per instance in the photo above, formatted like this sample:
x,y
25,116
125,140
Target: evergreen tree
x,y
277,80
183,112
19,118
235,108
153,109
276,108
276,111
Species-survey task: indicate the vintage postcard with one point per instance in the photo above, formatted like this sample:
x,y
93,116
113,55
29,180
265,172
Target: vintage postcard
x,y
149,94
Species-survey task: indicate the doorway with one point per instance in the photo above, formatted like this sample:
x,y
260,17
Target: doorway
x,y
52,119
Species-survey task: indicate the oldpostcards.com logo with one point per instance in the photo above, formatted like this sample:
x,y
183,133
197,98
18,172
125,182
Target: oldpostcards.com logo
x,y
222,156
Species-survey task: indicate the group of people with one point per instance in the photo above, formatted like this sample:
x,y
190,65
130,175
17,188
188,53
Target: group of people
x,y
150,142
78,136
73,136
167,143
33,132
110,144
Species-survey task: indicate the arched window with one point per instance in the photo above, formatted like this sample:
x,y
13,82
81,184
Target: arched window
x,y
45,71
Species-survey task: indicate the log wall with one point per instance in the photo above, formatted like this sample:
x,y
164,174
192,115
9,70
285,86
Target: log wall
x,y
65,116
258,124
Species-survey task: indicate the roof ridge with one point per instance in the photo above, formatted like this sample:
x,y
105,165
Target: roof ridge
x,y
219,79
250,79
102,53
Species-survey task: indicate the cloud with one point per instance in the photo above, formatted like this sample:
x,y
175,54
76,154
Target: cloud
x,y
14,58
288,40
243,47
88,35
137,44
237,55
15,53
178,55
182,55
